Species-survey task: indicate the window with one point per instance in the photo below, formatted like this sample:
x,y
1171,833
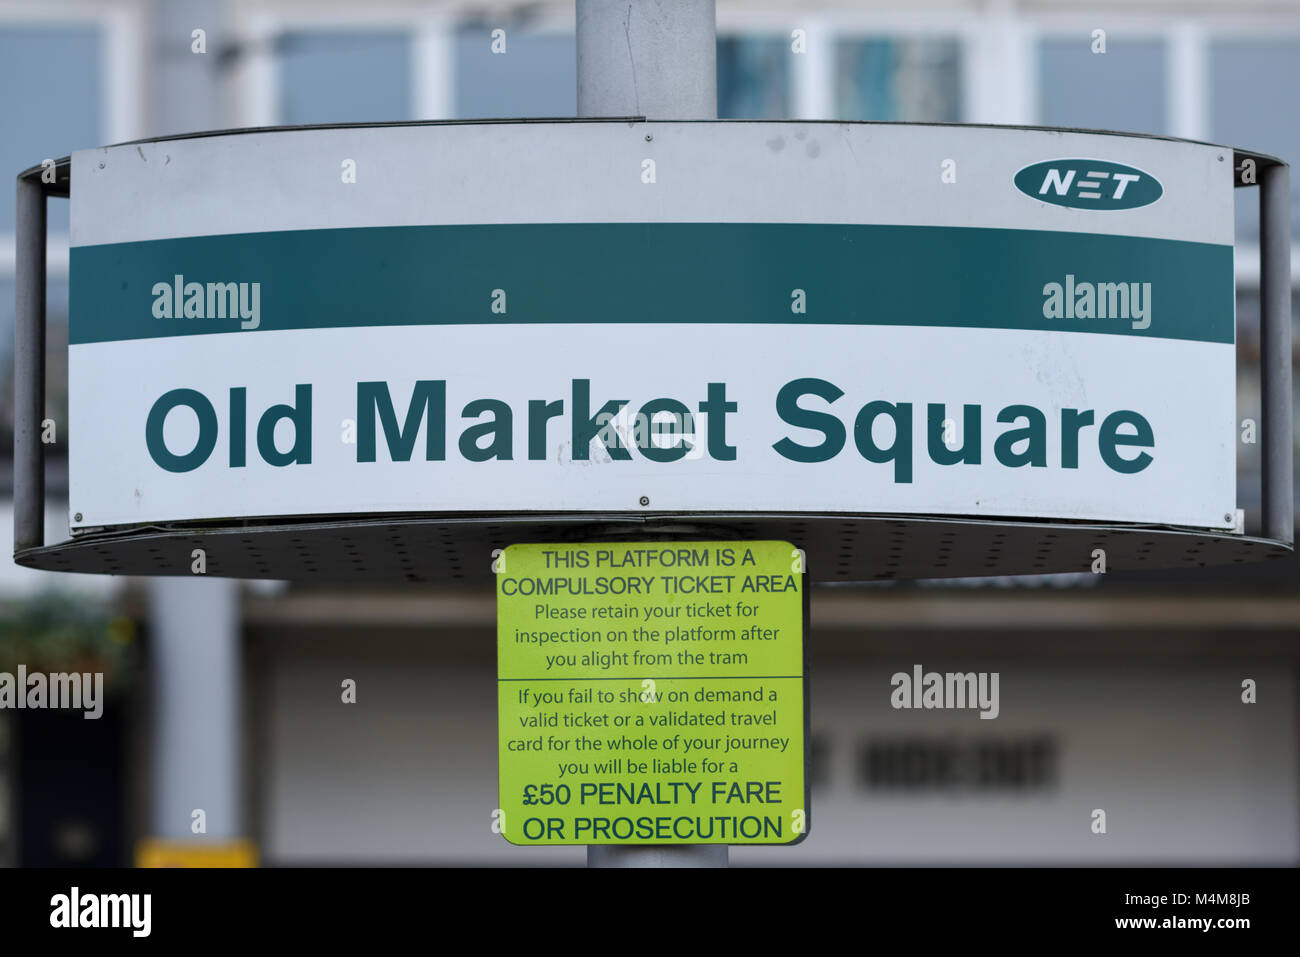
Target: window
x,y
1122,89
753,78
345,77
1252,106
535,76
51,75
892,79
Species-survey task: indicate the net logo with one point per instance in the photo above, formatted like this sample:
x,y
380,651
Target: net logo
x,y
1088,184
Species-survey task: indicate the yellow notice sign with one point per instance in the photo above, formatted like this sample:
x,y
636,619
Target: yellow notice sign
x,y
651,693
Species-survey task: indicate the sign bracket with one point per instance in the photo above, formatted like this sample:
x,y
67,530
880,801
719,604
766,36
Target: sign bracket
x,y
1275,321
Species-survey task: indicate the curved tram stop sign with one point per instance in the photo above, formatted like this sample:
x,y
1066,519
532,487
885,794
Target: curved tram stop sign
x,y
379,352
457,352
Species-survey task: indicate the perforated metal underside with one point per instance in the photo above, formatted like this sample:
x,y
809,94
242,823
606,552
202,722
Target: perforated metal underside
x,y
457,550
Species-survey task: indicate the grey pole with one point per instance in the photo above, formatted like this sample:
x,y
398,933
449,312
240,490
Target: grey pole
x,y
197,753
194,622
657,59
651,58
676,855
1275,351
29,365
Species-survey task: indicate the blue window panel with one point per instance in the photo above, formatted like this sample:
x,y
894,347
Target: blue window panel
x,y
1122,89
329,77
905,80
1253,106
535,76
51,103
753,78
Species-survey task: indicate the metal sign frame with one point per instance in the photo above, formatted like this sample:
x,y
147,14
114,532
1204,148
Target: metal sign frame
x,y
429,546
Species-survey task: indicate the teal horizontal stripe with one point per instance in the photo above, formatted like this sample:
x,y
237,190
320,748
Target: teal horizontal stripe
x,y
653,272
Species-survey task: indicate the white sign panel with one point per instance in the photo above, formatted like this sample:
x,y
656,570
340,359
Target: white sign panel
x,y
766,317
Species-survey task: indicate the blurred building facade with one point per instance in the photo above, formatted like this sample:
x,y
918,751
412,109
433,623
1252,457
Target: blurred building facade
x,y
1120,692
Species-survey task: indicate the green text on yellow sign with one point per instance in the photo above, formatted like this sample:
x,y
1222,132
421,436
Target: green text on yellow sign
x,y
651,693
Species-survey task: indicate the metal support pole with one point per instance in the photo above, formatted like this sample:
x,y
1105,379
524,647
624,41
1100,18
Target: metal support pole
x,y
196,643
197,734
29,366
651,58
1275,342
676,855
657,59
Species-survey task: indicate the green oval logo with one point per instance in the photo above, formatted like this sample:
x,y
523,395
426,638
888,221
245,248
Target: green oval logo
x,y
1088,184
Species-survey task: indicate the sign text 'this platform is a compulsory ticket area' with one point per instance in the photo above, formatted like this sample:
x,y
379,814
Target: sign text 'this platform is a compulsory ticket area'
x,y
651,693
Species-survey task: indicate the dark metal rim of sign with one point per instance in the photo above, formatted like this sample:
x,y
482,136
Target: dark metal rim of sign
x,y
454,547
458,549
